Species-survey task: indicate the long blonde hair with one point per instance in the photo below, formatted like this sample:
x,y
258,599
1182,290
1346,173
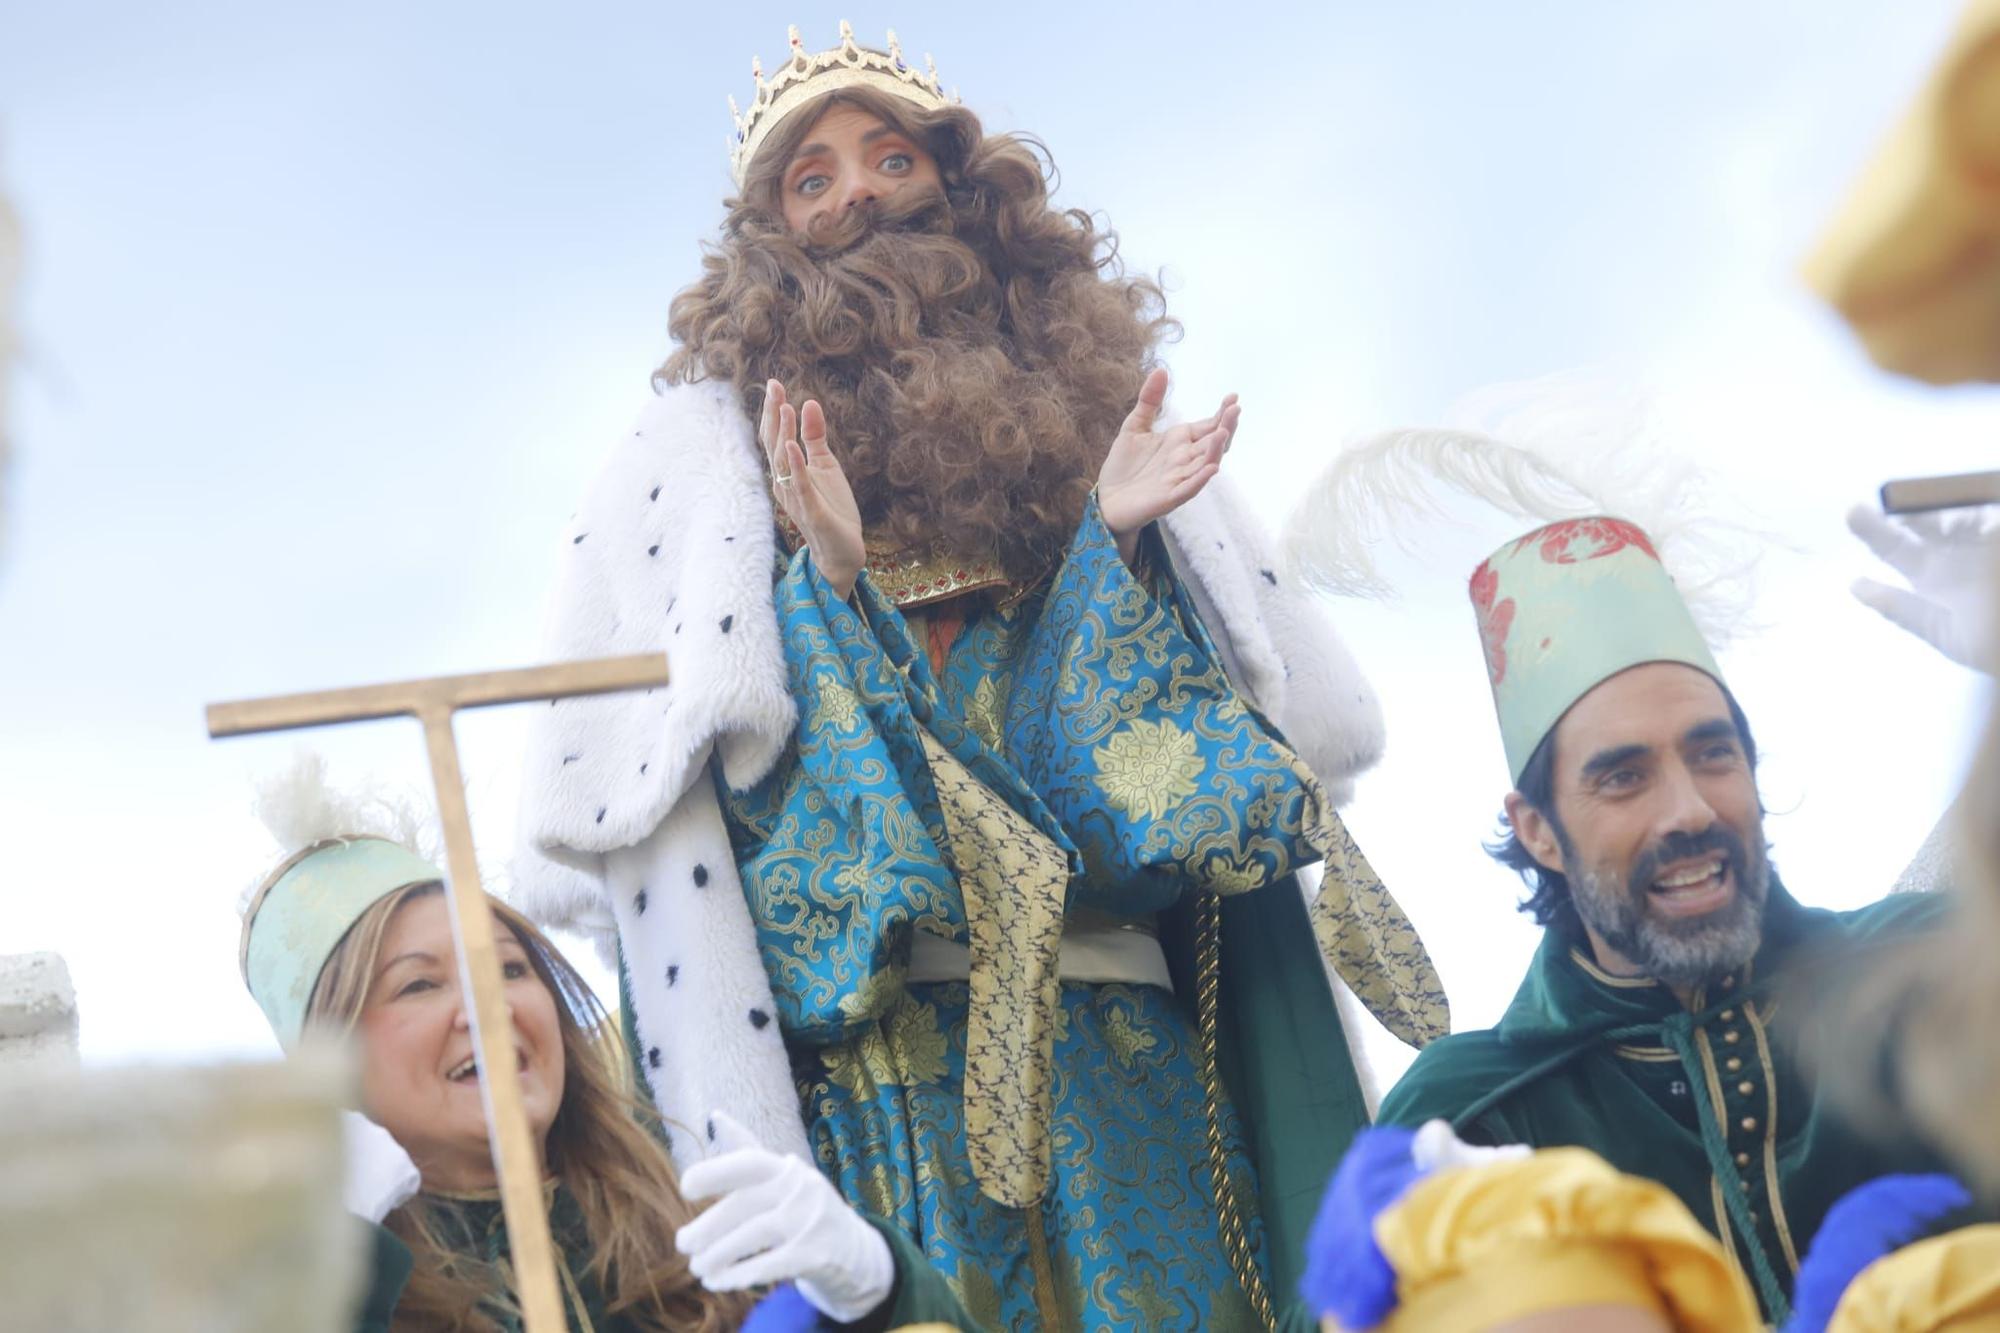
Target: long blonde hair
x,y
601,1146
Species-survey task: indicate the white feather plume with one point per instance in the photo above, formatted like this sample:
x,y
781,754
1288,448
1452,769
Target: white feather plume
x,y
300,806
1552,449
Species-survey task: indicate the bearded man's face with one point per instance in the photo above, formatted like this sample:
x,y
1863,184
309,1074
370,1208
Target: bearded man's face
x,y
1657,826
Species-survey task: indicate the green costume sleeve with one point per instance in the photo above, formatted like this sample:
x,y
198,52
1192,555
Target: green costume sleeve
x,y
921,1295
1449,1076
389,1265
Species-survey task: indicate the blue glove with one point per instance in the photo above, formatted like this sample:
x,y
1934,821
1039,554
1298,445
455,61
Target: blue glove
x,y
1868,1222
783,1311
1347,1275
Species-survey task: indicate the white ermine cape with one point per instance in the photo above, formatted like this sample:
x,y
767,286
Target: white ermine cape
x,y
674,550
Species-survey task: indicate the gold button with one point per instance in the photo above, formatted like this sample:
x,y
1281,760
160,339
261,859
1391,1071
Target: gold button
x,y
1746,1087
1727,1015
1727,982
1749,1124
1730,1036
1743,1159
1733,1063
1755,1220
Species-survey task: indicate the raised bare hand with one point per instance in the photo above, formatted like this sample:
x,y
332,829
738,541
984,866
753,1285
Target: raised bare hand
x,y
1148,474
810,486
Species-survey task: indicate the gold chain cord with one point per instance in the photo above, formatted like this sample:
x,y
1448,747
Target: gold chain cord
x,y
1229,1214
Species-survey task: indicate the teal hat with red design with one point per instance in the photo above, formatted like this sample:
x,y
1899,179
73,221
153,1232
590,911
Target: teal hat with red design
x,y
1567,607
304,909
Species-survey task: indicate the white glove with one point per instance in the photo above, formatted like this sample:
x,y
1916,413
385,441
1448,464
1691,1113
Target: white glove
x,y
379,1176
1437,1148
777,1218
1949,563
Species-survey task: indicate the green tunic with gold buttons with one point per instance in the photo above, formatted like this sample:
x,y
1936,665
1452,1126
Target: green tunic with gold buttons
x,y
1582,1058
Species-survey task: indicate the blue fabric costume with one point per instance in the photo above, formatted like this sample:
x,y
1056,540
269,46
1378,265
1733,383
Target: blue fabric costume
x,y
1077,751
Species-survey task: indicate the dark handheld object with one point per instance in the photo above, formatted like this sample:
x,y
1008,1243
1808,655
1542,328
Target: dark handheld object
x,y
1916,495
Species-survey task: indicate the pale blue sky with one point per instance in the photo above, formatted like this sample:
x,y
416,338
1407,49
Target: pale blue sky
x,y
332,311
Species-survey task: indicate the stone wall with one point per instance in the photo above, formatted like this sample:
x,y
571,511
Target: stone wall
x,y
37,1013
158,1199
176,1198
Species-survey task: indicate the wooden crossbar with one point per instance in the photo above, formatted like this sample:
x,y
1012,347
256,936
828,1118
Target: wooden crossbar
x,y
433,702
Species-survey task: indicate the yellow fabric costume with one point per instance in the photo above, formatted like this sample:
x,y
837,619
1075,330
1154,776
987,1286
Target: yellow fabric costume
x,y
1947,1284
1476,1246
1911,257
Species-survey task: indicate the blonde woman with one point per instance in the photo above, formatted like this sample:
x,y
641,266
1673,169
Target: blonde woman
x,y
351,935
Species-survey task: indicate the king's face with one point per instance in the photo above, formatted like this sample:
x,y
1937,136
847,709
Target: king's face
x,y
849,157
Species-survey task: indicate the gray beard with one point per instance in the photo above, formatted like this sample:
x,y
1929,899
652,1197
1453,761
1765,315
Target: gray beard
x,y
1683,953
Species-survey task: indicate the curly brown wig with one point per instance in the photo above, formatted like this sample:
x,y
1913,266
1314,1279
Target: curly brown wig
x,y
975,354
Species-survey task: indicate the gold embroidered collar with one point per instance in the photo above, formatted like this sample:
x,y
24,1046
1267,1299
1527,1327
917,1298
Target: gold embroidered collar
x,y
911,579
914,580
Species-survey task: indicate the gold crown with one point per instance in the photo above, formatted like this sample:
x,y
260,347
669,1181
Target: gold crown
x,y
807,78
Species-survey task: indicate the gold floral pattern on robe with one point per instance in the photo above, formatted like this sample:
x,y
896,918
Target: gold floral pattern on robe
x,y
1147,768
909,1052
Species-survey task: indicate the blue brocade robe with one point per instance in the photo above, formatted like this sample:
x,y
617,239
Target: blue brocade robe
x,y
1078,751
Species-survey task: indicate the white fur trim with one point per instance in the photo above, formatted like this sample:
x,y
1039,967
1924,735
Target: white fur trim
x,y
694,1001
1281,648
672,552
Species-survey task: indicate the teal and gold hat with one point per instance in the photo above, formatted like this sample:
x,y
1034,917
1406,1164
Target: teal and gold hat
x,y
1564,609
304,909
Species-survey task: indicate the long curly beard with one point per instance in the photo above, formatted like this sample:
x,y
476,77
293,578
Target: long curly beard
x,y
971,415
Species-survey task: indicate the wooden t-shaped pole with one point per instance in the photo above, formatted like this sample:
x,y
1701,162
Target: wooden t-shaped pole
x,y
433,702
